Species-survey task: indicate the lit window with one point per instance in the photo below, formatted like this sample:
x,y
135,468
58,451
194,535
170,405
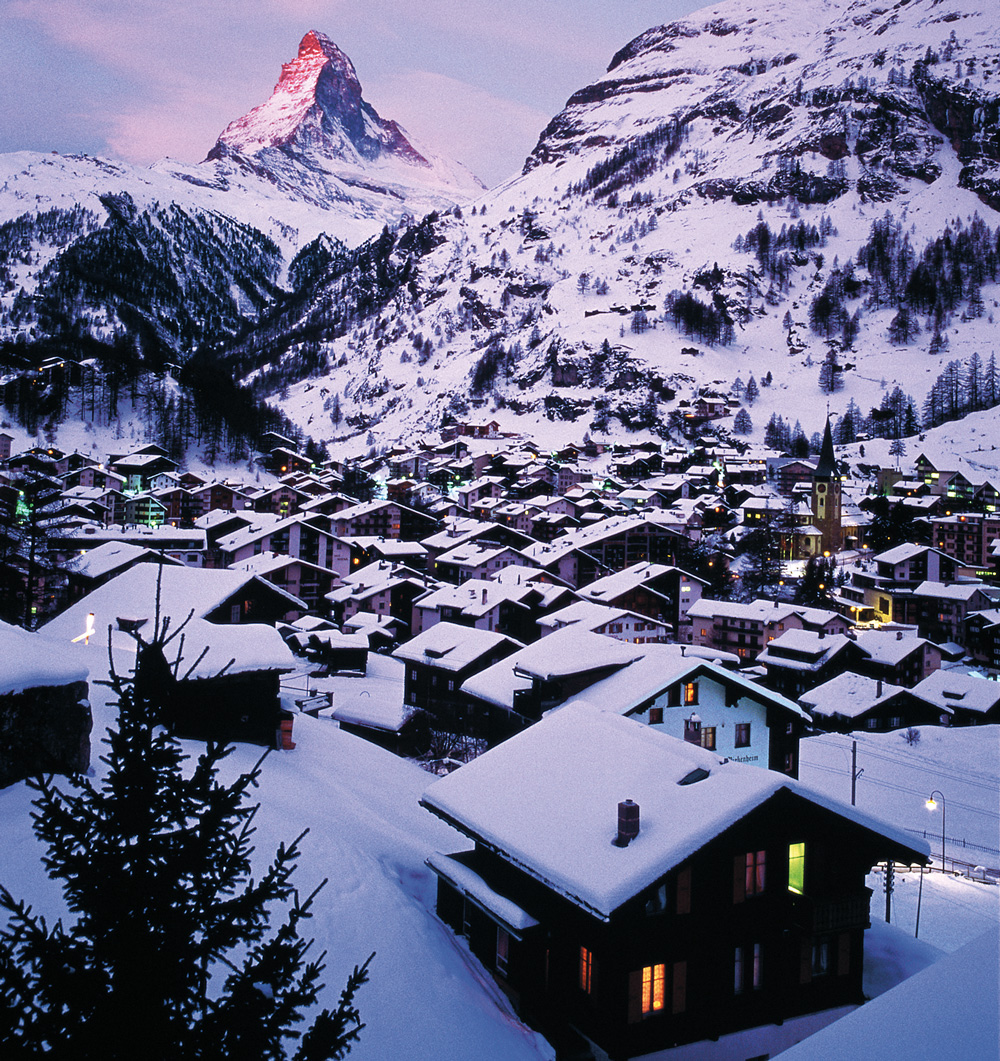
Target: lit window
x,y
755,875
690,693
653,977
586,970
708,737
796,868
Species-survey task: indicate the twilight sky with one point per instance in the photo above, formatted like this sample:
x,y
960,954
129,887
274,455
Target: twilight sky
x,y
140,79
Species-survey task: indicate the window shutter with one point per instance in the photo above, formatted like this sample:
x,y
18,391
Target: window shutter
x,y
844,954
739,878
680,987
805,962
684,891
635,997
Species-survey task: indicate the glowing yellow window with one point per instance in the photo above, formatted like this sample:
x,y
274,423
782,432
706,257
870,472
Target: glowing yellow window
x,y
796,868
690,692
653,977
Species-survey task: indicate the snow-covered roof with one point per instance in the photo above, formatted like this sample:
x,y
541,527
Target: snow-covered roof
x,y
451,647
384,710
376,577
954,689
612,586
901,553
110,557
474,553
664,665
588,615
807,650
767,611
564,652
961,591
468,881
847,695
133,593
183,590
388,547
545,553
476,596
887,646
32,661
558,820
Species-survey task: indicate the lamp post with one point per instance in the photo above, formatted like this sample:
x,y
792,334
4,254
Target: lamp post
x,y
932,805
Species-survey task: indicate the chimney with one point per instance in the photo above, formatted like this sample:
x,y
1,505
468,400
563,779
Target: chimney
x,y
822,634
899,635
628,823
878,689
484,594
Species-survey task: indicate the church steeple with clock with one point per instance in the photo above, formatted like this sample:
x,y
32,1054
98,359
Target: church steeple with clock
x,y
826,496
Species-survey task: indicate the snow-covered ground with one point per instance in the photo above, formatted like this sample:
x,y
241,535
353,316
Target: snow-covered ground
x,y
428,998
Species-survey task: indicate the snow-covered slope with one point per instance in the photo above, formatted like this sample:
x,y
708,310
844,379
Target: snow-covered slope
x,y
819,119
427,998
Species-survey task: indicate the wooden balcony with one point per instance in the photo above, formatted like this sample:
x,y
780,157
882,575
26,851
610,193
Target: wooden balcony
x,y
821,916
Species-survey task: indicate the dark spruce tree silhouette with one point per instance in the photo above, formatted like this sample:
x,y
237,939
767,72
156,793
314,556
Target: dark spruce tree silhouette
x,y
167,951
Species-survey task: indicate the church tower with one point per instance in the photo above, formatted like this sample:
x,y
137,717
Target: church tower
x,y
826,496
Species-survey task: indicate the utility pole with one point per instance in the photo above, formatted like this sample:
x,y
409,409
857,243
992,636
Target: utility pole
x,y
890,873
855,773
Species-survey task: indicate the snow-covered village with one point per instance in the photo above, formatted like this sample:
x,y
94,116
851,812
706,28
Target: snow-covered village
x,y
500,554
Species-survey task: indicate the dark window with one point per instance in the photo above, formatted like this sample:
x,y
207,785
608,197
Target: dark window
x,y
503,950
742,734
655,716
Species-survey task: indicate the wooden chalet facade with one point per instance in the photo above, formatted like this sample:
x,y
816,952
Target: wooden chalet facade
x,y
713,919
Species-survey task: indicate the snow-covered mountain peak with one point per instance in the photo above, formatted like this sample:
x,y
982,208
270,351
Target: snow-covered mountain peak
x,y
317,115
317,107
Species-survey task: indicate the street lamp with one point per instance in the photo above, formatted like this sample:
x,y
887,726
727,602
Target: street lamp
x,y
932,805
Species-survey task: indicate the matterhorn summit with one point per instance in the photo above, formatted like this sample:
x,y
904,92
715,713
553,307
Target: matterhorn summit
x,y
317,108
317,134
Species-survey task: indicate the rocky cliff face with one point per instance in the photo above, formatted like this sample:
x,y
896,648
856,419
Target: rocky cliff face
x,y
317,109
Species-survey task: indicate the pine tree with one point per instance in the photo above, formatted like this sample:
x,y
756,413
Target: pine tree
x,y
817,582
742,424
752,391
831,374
897,449
154,864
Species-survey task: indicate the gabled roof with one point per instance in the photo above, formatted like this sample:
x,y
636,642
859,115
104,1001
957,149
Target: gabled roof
x,y
665,665
848,695
558,820
954,689
451,647
614,585
208,648
133,593
560,654
111,556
